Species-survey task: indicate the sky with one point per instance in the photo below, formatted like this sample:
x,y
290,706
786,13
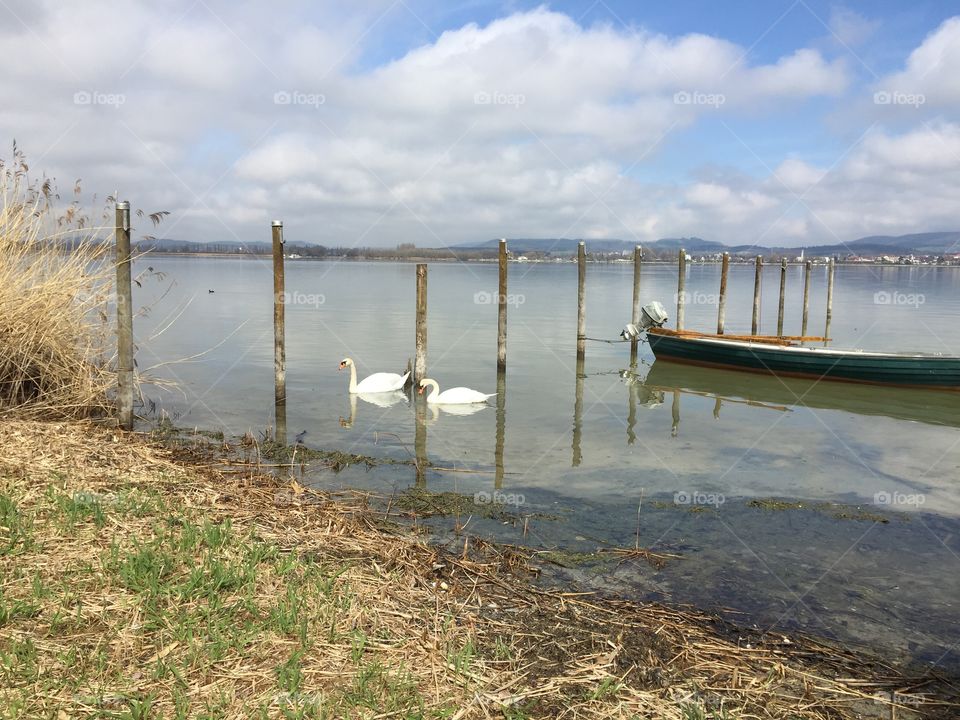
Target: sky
x,y
378,122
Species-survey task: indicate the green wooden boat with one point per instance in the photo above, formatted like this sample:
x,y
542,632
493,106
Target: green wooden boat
x,y
786,357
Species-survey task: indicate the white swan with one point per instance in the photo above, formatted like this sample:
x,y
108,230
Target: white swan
x,y
453,396
376,383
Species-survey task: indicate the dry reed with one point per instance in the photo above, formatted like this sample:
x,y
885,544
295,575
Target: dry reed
x,y
54,289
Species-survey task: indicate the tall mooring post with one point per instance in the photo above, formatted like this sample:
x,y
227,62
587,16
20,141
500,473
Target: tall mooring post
x,y
758,279
124,318
681,287
722,304
420,359
581,298
806,298
635,316
279,344
830,272
783,292
502,308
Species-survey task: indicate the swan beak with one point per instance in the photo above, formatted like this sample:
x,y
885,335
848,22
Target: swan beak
x,y
420,390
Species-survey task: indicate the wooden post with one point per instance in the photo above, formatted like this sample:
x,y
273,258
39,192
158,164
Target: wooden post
x,y
722,306
681,287
420,359
806,298
279,346
635,316
783,290
502,309
826,332
581,297
756,297
124,319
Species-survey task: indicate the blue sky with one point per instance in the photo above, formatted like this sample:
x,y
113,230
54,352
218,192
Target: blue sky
x,y
387,121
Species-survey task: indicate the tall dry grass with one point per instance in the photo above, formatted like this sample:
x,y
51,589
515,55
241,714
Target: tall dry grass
x,y
55,284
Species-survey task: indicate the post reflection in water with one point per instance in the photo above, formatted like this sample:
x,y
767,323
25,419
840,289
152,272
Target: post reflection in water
x,y
420,439
675,427
578,412
631,411
501,426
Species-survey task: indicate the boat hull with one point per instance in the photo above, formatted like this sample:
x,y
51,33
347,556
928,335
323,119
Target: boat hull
x,y
907,370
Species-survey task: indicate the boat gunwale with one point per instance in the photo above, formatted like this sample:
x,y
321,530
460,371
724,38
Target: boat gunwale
x,y
789,347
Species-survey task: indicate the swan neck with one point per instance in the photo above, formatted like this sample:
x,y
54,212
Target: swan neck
x,y
353,378
434,389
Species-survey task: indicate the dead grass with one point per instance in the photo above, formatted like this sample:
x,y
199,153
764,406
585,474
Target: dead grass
x,y
138,584
54,285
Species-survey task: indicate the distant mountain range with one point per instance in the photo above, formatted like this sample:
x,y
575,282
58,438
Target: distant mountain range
x,y
936,243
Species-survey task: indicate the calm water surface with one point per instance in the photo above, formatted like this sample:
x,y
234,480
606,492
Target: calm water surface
x,y
696,445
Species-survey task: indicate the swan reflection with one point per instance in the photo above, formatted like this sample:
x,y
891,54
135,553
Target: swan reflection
x,y
381,400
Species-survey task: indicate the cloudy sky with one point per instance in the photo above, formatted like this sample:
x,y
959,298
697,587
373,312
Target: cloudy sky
x,y
376,122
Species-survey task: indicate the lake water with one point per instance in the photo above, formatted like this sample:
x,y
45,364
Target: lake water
x,y
578,453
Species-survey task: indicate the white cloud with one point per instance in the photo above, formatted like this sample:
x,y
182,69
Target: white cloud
x,y
530,125
932,70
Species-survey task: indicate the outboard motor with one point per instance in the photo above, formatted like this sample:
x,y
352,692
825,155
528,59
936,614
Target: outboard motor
x,y
651,315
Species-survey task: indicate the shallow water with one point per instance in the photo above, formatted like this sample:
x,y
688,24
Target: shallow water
x,y
587,446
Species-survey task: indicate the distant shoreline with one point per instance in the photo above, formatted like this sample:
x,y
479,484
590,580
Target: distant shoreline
x,y
554,261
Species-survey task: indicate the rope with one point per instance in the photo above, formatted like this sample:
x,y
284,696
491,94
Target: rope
x,y
638,340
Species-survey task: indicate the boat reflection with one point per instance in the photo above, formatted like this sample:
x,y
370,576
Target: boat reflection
x,y
785,394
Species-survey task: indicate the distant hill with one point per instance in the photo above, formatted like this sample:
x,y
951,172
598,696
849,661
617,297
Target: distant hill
x,y
567,246
936,243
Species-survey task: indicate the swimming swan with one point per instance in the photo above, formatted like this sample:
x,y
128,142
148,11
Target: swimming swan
x,y
376,383
453,396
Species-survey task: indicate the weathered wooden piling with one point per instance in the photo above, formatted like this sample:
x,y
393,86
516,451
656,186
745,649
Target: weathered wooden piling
x,y
830,271
681,287
502,309
722,304
783,291
279,346
806,298
581,298
635,316
755,327
420,359
124,318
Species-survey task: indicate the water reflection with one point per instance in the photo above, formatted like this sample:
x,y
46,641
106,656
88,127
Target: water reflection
x,y
501,427
784,394
381,400
578,412
639,393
